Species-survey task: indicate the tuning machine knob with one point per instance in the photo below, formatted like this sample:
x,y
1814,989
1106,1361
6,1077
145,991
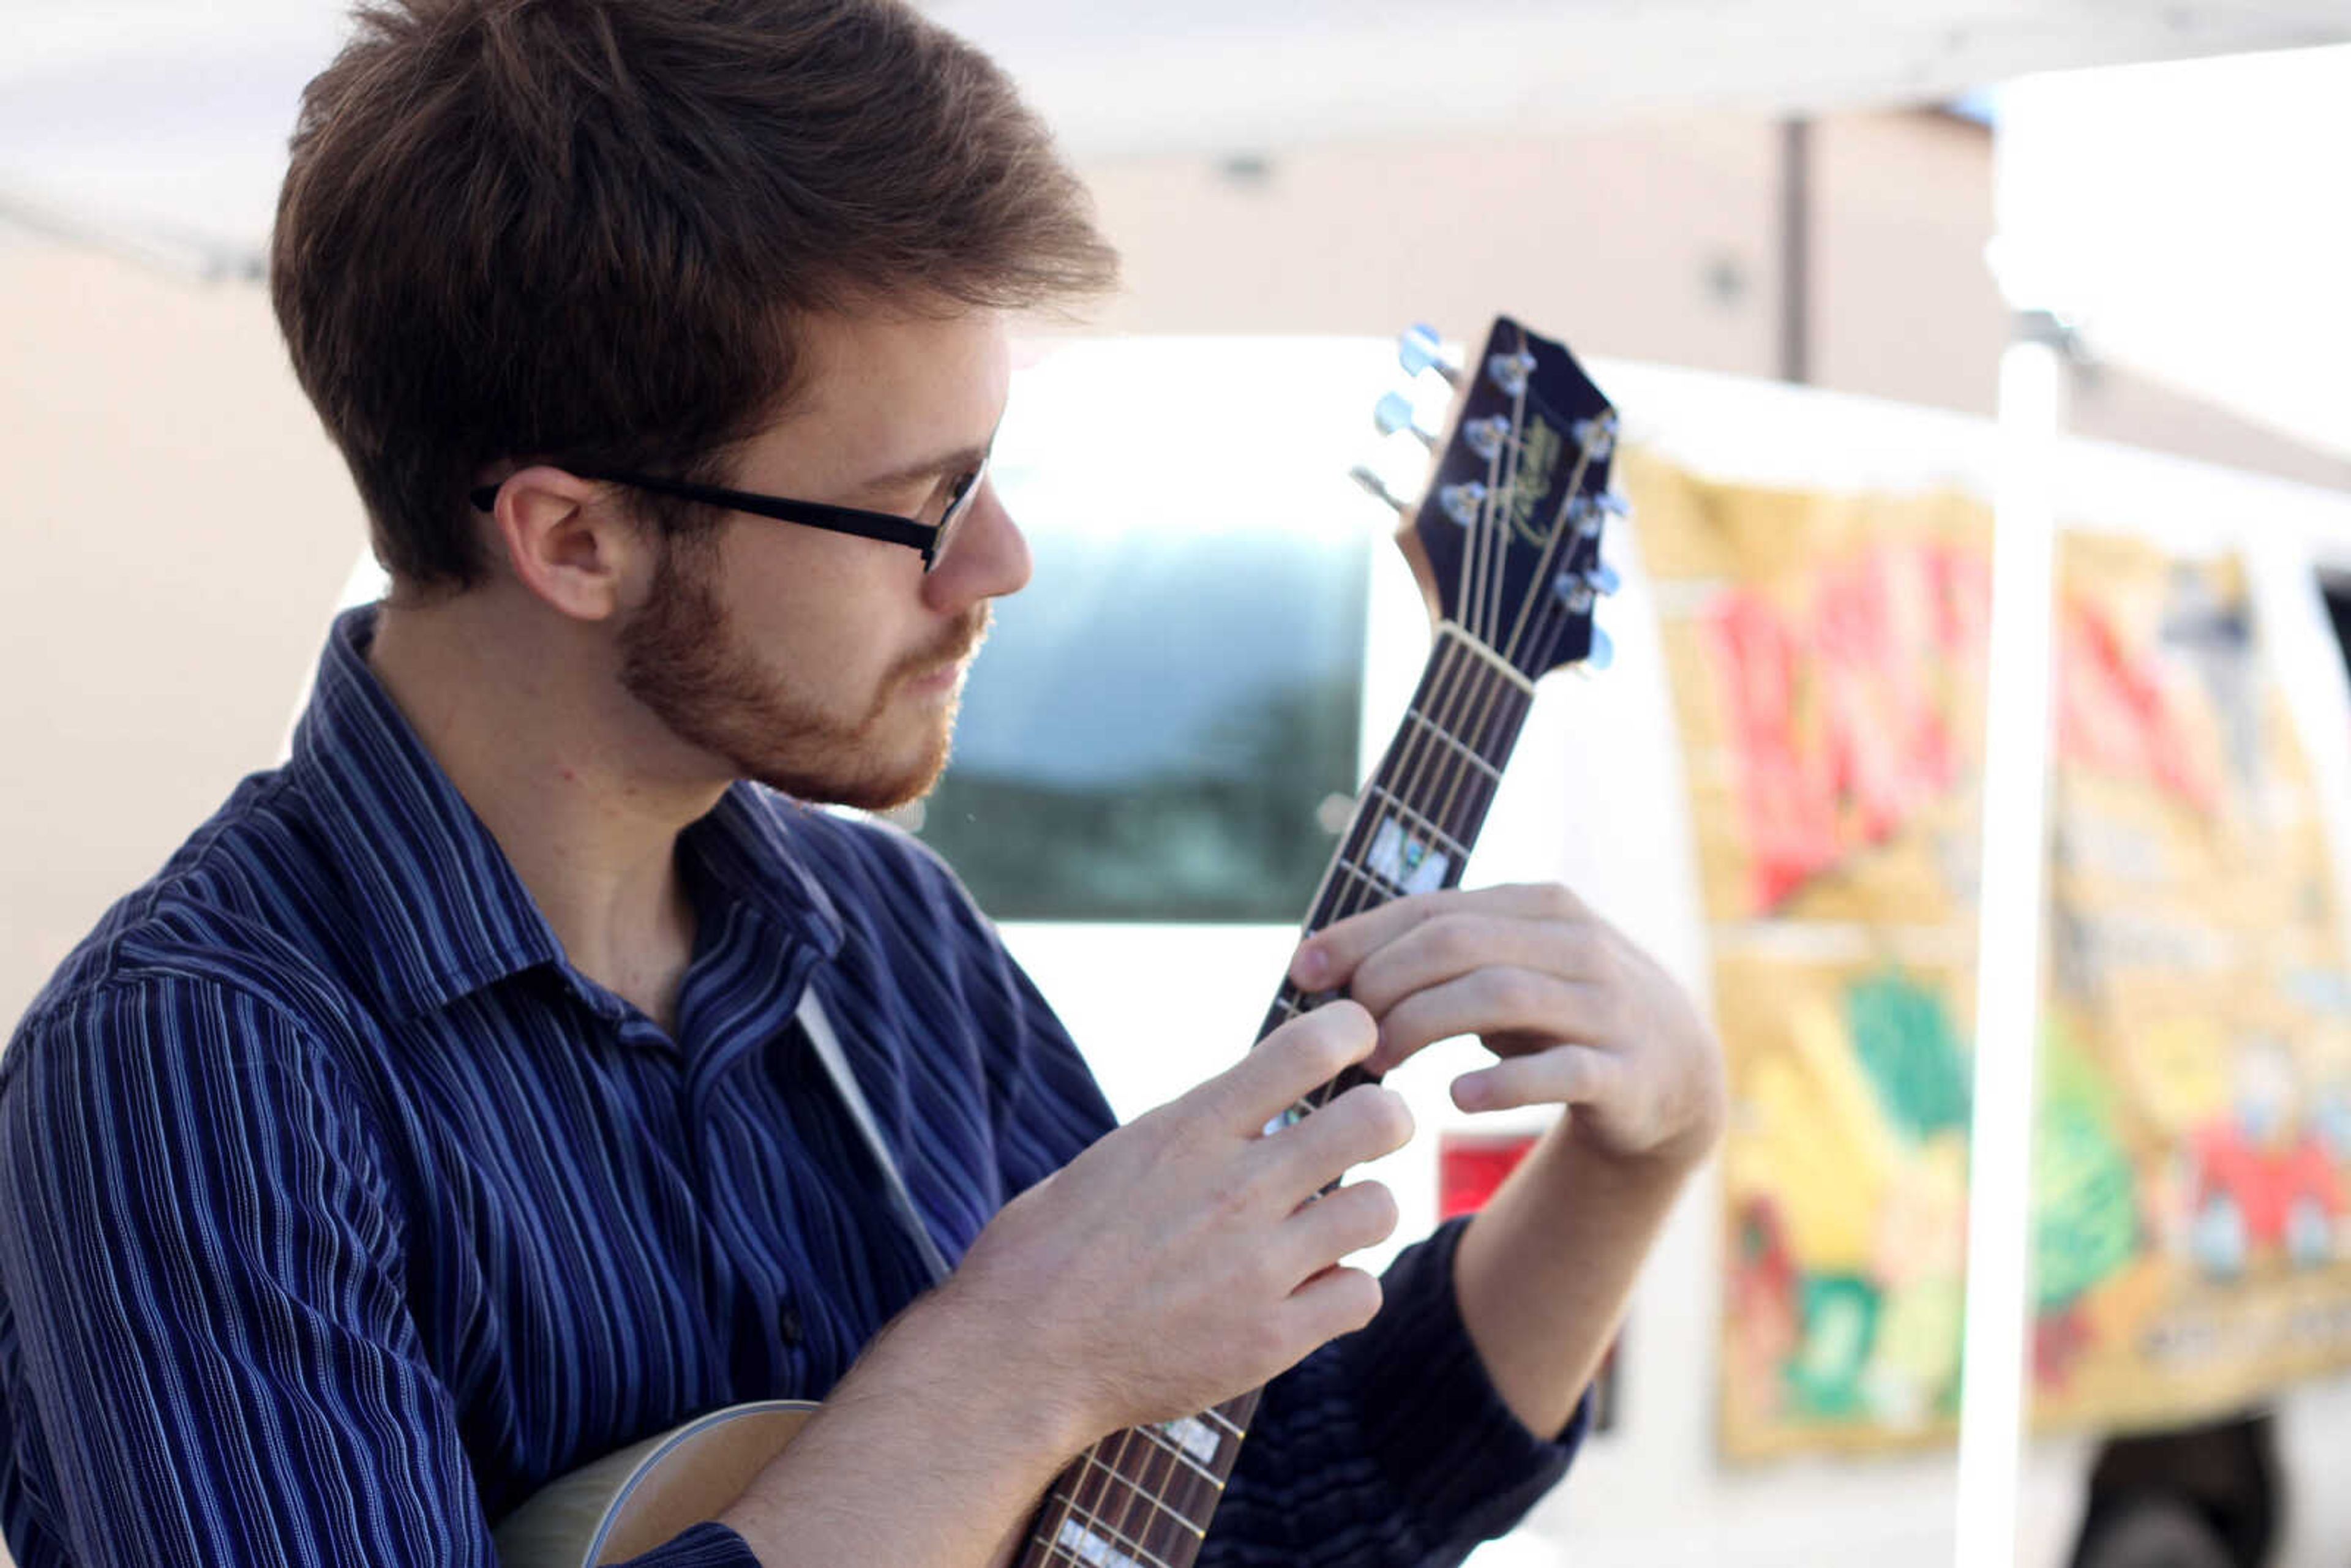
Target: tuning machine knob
x,y
1463,502
1596,436
1420,348
1510,371
1603,579
1603,652
1396,413
1362,474
1486,435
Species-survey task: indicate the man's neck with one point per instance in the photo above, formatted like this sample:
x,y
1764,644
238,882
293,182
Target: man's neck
x,y
527,717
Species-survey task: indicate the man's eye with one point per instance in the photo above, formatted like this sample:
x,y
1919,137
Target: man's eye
x,y
948,493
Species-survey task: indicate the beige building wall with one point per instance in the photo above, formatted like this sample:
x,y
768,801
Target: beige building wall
x,y
1656,242
175,531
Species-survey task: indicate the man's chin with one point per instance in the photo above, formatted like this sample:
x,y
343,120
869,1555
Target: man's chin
x,y
877,786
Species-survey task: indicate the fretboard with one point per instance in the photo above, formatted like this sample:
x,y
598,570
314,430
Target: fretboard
x,y
1143,1498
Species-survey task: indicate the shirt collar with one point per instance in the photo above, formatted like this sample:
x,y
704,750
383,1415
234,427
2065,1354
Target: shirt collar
x,y
440,910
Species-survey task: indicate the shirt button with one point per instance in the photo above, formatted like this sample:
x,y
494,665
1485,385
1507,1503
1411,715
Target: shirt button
x,y
787,1323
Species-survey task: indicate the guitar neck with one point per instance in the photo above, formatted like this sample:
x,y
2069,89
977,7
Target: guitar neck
x,y
1143,1498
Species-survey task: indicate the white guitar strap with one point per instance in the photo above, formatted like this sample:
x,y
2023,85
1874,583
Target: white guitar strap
x,y
819,1029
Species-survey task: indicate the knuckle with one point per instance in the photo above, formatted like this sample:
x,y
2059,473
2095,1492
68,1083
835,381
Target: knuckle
x,y
1556,902
1457,940
1518,994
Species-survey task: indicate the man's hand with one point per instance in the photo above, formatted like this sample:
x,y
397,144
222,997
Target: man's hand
x,y
1179,1261
1580,1016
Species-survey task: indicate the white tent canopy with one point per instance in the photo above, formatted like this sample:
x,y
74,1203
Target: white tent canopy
x,y
2191,217
163,117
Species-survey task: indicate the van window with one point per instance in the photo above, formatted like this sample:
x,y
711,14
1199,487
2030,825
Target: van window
x,y
1159,720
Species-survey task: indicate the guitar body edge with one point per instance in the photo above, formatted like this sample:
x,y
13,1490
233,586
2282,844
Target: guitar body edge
x,y
635,1498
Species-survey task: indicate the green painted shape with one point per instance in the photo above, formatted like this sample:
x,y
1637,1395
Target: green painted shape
x,y
2085,1211
1913,1058
1840,1325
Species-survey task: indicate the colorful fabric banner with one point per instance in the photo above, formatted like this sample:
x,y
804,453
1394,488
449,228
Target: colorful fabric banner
x,y
2192,1245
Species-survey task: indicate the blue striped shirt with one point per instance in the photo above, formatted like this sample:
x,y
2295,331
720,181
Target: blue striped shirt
x,y
338,1212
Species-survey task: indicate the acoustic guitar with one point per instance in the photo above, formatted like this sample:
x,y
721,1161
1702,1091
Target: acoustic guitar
x,y
1505,541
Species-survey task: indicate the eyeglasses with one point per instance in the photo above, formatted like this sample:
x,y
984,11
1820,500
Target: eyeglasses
x,y
931,538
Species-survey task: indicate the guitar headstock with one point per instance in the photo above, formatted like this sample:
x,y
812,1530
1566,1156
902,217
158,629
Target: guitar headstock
x,y
1505,538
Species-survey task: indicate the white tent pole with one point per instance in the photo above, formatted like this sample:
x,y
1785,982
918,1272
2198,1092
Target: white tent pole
x,y
2008,951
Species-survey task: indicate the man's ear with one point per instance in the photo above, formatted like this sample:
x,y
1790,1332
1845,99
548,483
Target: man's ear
x,y
569,542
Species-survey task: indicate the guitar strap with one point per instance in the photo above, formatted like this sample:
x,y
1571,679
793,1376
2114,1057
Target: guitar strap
x,y
819,1030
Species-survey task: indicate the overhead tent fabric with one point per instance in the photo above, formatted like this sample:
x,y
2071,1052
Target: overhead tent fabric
x,y
168,121
2189,218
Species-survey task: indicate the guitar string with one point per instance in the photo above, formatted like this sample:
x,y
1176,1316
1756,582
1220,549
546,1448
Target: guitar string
x,y
1540,590
1411,761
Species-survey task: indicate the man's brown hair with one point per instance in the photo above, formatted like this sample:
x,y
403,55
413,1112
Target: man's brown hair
x,y
583,230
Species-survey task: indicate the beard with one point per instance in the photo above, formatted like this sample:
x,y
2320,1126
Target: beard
x,y
681,658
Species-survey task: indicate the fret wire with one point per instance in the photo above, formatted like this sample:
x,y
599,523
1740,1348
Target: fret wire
x,y
1446,738
1451,846
1500,665
1140,1496
1149,1494
1134,1548
1484,694
1057,1553
1154,1487
1217,1418
1182,1455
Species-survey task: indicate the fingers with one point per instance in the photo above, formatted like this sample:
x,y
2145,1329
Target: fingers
x,y
1563,1075
1328,958
1447,946
1361,1124
1496,1003
1286,1065
1345,1220
1332,1303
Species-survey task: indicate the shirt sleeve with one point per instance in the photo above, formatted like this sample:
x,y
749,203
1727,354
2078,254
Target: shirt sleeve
x,y
1388,1448
201,1281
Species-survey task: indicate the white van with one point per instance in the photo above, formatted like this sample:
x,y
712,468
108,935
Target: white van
x,y
1158,750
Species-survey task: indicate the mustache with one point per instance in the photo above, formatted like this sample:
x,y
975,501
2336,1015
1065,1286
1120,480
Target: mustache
x,y
962,640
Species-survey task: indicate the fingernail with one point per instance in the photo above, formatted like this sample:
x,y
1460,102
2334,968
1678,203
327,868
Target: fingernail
x,y
1313,966
1469,1093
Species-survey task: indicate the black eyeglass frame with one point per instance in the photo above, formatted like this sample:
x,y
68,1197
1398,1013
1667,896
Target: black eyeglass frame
x,y
930,538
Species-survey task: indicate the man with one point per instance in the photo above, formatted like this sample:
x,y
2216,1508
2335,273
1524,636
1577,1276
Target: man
x,y
437,1119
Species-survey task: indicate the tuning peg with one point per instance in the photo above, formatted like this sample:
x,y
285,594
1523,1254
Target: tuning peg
x,y
1597,435
1574,590
1463,502
1421,350
1486,436
1604,652
1613,504
1395,413
1362,474
1603,579
1510,370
